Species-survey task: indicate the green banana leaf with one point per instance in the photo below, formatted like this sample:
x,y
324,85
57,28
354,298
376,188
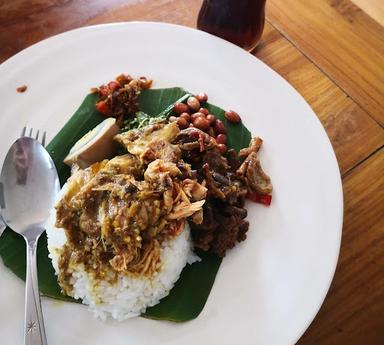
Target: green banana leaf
x,y
190,293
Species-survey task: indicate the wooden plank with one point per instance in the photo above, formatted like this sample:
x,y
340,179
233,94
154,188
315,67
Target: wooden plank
x,y
342,40
24,23
182,12
374,8
352,132
353,310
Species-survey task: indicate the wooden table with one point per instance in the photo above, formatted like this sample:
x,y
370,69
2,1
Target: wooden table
x,y
333,54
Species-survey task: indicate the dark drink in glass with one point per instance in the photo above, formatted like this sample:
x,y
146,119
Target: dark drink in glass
x,y
238,21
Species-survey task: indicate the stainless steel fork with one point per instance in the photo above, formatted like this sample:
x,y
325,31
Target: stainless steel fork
x,y
2,225
24,134
34,267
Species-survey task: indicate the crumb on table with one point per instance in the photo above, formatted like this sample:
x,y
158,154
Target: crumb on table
x,y
22,88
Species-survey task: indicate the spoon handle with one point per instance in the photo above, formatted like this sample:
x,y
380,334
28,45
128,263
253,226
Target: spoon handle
x,y
34,326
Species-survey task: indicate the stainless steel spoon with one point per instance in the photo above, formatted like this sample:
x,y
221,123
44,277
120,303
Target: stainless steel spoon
x,y
30,185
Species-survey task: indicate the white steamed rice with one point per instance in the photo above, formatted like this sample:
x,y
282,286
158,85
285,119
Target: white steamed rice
x,y
129,296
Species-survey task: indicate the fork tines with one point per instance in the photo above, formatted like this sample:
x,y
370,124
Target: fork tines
x,y
24,134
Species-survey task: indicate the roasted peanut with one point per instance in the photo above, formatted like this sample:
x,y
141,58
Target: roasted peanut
x,y
211,118
193,103
172,119
180,108
182,123
196,115
232,116
219,127
201,123
204,111
221,139
222,148
186,116
202,97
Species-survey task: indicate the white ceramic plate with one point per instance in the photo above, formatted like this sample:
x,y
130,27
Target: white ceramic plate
x,y
270,287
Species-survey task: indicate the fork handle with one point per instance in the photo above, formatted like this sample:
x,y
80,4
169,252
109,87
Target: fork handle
x,y
2,225
34,333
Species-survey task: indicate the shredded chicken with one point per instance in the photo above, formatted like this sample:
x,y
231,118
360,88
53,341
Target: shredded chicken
x,y
157,169
161,149
254,146
151,143
116,213
194,190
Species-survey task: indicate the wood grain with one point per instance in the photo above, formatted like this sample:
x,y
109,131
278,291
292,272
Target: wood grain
x,y
184,12
25,22
347,125
353,311
374,8
342,40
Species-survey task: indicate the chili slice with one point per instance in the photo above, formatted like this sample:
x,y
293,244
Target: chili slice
x,y
103,107
264,199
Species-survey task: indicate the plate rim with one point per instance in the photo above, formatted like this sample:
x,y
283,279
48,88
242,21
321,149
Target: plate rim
x,y
339,227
